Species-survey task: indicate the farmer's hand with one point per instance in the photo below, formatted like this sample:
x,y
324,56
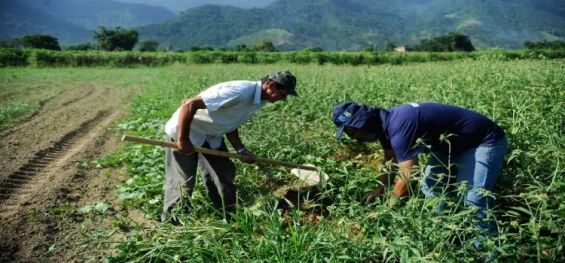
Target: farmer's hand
x,y
248,156
185,146
372,196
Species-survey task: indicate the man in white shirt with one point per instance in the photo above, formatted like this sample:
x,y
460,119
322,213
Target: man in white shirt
x,y
203,121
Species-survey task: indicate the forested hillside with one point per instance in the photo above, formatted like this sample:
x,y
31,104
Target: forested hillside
x,y
73,21
17,20
295,24
93,13
178,6
353,24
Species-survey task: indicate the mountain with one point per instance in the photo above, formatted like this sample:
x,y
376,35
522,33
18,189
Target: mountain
x,y
93,13
309,23
492,23
353,24
293,24
17,20
205,26
333,24
178,6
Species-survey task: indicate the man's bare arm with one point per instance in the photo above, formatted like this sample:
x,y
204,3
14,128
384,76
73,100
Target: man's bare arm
x,y
235,141
186,115
405,170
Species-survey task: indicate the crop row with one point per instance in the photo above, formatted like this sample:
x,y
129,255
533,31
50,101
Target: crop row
x,y
46,58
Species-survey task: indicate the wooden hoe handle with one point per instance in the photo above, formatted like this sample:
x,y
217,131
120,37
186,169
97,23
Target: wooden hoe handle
x,y
216,152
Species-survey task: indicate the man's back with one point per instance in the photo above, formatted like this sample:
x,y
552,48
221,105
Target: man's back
x,y
228,105
429,121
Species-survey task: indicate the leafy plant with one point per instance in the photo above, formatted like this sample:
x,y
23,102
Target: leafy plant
x,y
99,207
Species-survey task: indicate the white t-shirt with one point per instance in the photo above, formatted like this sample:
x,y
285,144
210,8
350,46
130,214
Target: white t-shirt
x,y
228,104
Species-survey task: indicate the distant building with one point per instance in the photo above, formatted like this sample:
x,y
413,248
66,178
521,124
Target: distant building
x,y
402,48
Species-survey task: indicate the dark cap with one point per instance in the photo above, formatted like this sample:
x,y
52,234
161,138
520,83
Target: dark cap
x,y
285,79
350,114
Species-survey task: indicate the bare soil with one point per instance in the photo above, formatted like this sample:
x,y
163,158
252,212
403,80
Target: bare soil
x,y
42,184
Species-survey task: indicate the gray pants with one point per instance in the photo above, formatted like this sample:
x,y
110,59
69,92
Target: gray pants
x,y
217,174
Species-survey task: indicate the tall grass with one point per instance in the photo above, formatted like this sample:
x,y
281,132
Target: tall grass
x,y
524,97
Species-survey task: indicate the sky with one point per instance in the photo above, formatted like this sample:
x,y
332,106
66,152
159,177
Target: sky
x,y
178,6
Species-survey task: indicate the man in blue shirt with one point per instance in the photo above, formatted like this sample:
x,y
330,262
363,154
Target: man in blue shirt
x,y
463,145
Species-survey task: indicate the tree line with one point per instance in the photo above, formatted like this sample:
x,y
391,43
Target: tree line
x,y
120,39
553,45
117,39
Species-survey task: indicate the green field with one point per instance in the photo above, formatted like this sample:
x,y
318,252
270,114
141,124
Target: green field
x,y
525,97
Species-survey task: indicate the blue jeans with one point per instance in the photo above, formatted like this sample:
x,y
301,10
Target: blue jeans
x,y
479,166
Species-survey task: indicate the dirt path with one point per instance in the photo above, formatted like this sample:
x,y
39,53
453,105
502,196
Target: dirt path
x,y
41,185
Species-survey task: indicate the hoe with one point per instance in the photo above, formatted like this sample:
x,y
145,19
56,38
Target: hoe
x,y
305,172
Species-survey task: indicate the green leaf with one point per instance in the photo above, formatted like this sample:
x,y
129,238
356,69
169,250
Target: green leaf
x,y
404,256
521,209
86,209
102,207
61,208
52,248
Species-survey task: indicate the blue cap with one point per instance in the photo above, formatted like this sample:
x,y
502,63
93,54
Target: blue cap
x,y
350,114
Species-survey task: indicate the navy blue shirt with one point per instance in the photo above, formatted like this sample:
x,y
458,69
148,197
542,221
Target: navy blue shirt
x,y
406,123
